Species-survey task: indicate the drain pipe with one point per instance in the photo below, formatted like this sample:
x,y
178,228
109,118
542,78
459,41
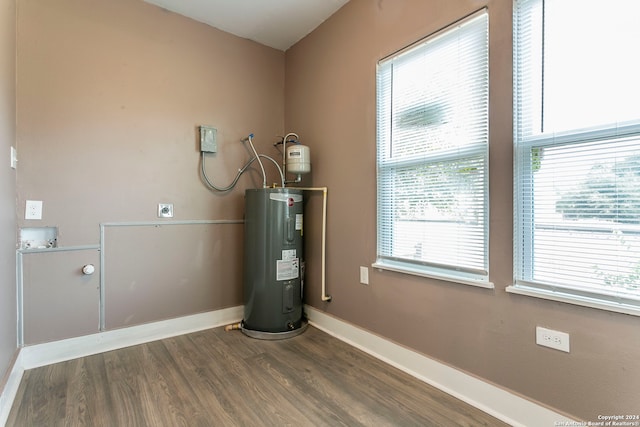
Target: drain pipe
x,y
324,190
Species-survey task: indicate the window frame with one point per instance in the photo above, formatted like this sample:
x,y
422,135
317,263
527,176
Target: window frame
x,y
468,276
523,202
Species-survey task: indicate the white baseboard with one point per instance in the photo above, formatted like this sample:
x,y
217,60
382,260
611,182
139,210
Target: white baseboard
x,y
59,351
493,400
8,393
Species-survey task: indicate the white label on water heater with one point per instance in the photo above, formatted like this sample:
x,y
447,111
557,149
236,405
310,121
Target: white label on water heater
x,y
287,269
288,254
298,221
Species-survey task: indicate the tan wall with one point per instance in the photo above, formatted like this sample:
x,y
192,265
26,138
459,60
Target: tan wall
x,y
109,97
110,94
7,185
330,102
204,274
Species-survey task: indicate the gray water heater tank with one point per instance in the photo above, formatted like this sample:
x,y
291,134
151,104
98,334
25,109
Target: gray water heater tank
x,y
273,257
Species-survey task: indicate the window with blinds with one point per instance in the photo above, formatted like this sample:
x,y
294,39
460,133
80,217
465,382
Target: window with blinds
x,y
432,155
577,145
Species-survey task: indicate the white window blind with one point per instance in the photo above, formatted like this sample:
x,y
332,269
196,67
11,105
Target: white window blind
x,y
432,150
577,136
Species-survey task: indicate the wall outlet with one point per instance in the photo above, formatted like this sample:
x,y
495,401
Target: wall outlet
x,y
364,275
33,209
553,339
165,210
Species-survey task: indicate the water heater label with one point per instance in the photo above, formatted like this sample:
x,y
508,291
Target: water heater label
x,y
287,269
288,254
298,221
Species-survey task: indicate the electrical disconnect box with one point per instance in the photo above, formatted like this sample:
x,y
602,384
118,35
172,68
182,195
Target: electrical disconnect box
x,y
208,139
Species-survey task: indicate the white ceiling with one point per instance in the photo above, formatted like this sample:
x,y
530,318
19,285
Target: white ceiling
x,y
276,23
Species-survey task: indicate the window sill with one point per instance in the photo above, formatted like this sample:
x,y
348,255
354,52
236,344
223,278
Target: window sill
x,y
618,307
460,280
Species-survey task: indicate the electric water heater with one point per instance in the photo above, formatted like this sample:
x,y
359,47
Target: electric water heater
x,y
273,260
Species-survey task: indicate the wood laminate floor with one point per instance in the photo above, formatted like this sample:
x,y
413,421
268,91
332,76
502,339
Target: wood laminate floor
x,y
218,378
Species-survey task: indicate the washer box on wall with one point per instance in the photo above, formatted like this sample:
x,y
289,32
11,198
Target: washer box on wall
x,y
38,237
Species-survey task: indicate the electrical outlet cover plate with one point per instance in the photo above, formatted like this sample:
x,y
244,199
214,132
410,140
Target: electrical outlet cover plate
x,y
33,209
364,275
165,210
552,339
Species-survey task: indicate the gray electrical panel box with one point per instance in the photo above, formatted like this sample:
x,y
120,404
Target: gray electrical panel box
x,y
208,139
